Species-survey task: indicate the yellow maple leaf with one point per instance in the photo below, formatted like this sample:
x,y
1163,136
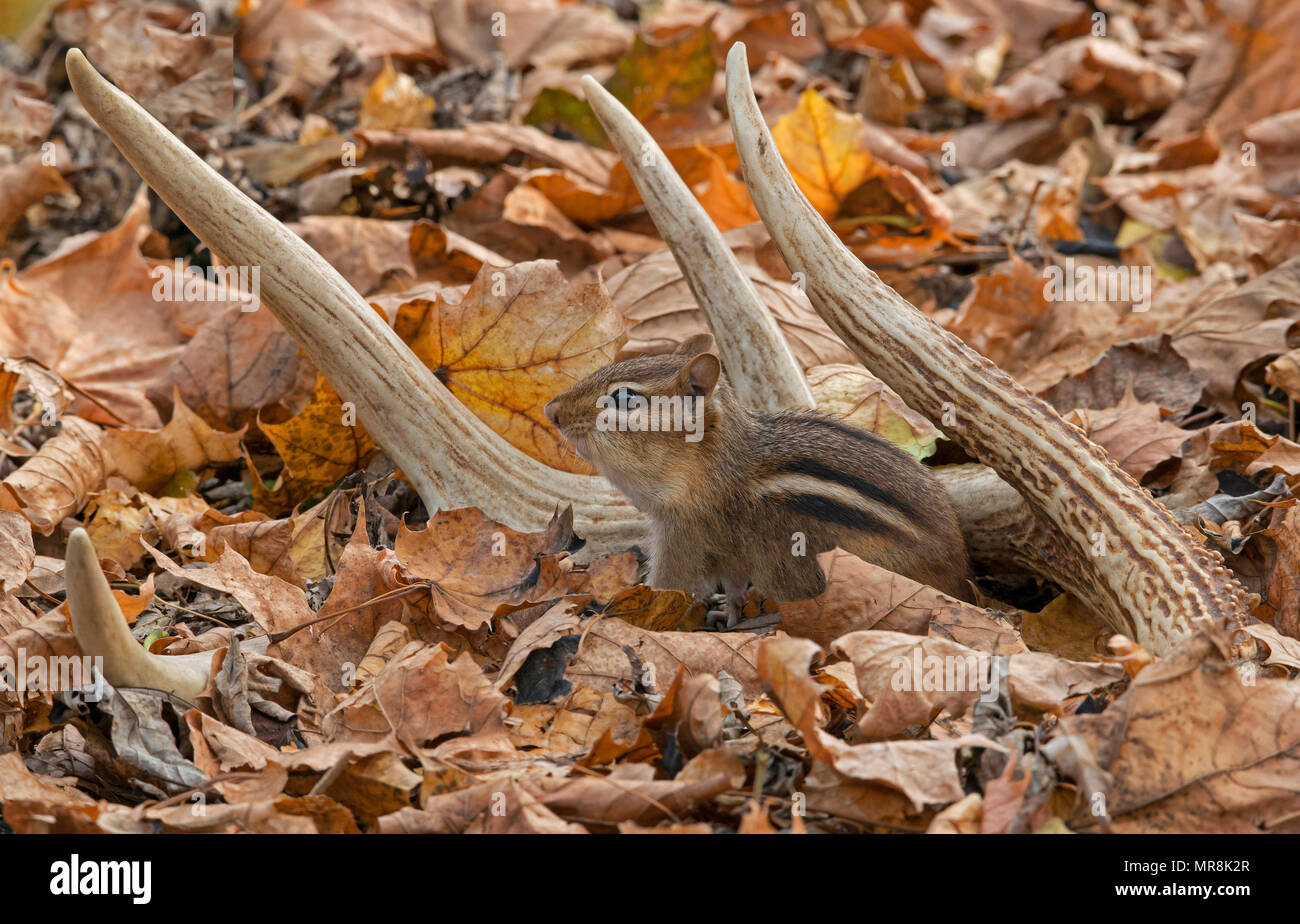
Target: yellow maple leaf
x,y
518,337
823,149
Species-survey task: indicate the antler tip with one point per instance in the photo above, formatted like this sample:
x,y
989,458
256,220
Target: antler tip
x,y
738,57
75,63
81,73
79,540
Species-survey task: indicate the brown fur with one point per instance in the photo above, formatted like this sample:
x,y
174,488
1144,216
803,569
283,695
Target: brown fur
x,y
727,508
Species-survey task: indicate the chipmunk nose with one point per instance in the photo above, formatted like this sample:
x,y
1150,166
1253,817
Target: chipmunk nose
x,y
552,413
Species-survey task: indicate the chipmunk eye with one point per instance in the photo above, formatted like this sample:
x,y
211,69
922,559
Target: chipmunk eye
x,y
623,396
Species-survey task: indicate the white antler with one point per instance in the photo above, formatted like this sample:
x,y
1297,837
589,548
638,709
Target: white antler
x,y
1131,559
101,632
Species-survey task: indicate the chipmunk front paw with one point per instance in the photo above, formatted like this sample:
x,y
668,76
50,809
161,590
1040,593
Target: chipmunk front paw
x,y
720,615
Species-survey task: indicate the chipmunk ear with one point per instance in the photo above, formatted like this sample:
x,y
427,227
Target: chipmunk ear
x,y
701,374
693,346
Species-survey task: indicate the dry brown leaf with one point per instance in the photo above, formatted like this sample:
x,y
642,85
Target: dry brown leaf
x,y
332,647
560,620
910,680
25,183
1089,67
371,254
419,697
519,222
629,793
1064,627
1135,434
1244,71
924,771
236,364
274,604
691,712
149,459
860,595
90,314
784,666
1225,339
659,610
476,566
57,481
445,257
1280,601
14,614
1150,367
615,654
1238,446
49,393
541,33
962,817
17,554
1196,745
1003,309
495,807
493,142
713,761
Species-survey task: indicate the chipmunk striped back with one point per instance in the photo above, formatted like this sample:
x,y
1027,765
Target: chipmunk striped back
x,y
850,488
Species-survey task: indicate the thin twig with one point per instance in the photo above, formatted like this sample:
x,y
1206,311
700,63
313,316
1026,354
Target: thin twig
x,y
278,637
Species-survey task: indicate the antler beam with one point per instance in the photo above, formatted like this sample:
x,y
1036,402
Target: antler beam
x,y
1138,566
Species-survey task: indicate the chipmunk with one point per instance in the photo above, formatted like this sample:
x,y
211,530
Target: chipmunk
x,y
735,497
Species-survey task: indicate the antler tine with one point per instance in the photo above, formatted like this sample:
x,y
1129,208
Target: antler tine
x,y
759,363
101,632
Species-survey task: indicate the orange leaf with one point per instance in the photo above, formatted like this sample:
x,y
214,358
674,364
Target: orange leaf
x,y
823,149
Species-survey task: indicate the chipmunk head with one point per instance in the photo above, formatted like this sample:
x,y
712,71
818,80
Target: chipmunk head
x,y
639,421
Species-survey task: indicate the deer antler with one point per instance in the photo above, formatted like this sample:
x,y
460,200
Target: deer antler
x,y
1151,578
451,457
101,632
